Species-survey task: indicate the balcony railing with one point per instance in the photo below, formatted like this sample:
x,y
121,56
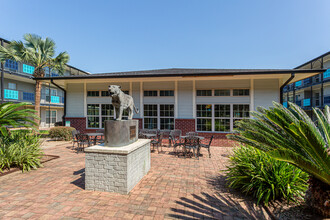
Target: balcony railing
x,y
46,99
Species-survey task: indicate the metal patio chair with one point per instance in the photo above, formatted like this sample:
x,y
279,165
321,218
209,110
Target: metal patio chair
x,y
191,143
207,146
176,140
74,138
83,140
157,142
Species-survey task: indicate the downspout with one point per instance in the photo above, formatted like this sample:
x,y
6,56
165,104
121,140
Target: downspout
x,y
63,118
2,79
282,87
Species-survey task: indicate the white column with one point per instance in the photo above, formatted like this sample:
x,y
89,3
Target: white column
x,y
141,99
176,99
85,99
252,95
194,99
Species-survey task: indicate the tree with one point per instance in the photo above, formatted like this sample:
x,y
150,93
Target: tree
x,y
13,115
289,134
39,53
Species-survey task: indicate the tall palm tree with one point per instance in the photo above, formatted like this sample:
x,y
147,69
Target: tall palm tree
x,y
289,134
39,53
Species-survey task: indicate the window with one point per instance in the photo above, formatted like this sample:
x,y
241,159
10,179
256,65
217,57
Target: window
x,y
222,92
11,64
222,117
28,69
50,117
93,93
241,92
150,116
28,96
326,99
204,117
166,93
166,113
12,86
240,112
104,93
219,117
150,93
93,113
107,112
50,96
204,93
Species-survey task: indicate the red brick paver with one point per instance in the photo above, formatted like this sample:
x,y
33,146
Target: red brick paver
x,y
173,188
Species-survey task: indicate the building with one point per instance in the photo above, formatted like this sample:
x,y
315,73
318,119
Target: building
x,y
313,91
208,101
17,85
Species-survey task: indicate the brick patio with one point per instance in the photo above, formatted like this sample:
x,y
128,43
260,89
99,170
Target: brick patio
x,y
174,188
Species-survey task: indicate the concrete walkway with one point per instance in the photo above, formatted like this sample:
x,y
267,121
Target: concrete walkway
x,y
174,188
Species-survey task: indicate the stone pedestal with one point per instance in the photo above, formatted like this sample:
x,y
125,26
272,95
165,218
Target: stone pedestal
x,y
120,133
116,169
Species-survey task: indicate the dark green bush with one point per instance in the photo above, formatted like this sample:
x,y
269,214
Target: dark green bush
x,y
20,149
61,133
254,172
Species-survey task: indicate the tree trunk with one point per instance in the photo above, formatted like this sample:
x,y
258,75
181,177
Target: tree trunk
x,y
37,100
318,196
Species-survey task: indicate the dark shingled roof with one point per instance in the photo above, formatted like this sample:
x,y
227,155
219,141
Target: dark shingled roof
x,y
175,72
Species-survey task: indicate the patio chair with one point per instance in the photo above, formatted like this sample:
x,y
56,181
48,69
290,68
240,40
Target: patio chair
x,y
207,146
166,136
191,143
175,139
157,142
100,140
82,140
74,138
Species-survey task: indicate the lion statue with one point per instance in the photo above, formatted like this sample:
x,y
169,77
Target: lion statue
x,y
121,101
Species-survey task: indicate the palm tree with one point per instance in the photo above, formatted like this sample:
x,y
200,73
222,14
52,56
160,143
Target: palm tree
x,y
13,115
289,134
39,53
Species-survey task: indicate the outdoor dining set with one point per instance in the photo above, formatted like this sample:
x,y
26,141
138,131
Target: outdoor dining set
x,y
189,144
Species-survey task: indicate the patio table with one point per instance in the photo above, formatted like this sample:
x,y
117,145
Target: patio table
x,y
148,135
187,137
95,135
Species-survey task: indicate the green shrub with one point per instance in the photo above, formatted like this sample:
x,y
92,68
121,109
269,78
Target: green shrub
x,y
20,149
254,172
61,133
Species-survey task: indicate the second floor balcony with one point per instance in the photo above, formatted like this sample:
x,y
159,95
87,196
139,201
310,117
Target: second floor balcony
x,y
22,96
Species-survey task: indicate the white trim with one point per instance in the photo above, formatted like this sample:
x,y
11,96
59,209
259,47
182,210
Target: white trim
x,y
251,95
176,110
194,99
141,99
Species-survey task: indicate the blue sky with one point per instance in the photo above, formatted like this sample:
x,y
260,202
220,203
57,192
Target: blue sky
x,y
108,36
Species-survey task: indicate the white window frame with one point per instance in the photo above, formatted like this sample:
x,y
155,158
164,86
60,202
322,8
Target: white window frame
x,y
158,93
158,117
232,118
230,89
9,86
50,121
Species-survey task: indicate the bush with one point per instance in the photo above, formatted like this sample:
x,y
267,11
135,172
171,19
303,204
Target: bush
x,y
20,149
61,133
254,172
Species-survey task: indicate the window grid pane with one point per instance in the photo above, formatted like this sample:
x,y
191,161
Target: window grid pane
x,y
222,92
222,111
150,93
204,110
93,93
204,124
204,93
241,92
166,93
241,111
222,125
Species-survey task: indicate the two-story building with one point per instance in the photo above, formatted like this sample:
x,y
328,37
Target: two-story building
x,y
18,86
313,91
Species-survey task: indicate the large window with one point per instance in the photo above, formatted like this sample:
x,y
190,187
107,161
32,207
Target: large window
x,y
107,113
12,86
204,92
220,117
93,115
166,93
150,93
222,92
204,117
49,93
50,117
11,64
93,93
241,92
159,116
